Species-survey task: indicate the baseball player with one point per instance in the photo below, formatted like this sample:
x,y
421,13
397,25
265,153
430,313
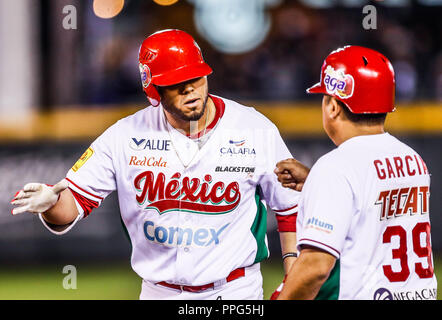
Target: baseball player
x,y
363,227
194,174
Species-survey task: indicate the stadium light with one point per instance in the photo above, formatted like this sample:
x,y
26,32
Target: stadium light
x,y
165,2
233,26
107,9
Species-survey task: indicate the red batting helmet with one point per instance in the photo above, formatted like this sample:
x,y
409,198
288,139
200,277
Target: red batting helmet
x,y
169,57
361,78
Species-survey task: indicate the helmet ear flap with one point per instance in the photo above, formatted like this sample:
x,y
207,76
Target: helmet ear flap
x,y
153,95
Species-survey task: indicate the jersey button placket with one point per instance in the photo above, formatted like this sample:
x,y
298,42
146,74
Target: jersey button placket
x,y
183,261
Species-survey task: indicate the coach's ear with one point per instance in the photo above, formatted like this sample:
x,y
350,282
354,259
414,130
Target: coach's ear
x,y
330,109
334,108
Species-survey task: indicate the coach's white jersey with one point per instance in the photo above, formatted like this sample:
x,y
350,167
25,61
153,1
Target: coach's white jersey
x,y
193,214
367,204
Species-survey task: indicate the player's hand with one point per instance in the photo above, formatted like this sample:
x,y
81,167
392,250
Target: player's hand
x,y
278,290
291,173
37,197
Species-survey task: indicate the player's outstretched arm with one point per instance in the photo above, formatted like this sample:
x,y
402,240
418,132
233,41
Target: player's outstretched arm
x,y
55,203
291,173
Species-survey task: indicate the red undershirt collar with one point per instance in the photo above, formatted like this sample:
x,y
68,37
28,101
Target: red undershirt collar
x,y
219,112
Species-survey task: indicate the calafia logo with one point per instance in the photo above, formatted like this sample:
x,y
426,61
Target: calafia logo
x,y
236,147
193,195
146,75
338,83
238,143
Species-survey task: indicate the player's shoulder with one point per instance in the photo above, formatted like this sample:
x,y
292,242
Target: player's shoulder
x,y
401,145
131,123
241,111
368,146
332,160
359,152
329,167
145,117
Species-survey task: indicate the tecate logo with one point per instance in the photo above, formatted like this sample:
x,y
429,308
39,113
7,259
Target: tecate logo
x,y
177,236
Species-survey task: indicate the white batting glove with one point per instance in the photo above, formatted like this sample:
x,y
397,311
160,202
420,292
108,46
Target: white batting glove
x,y
37,197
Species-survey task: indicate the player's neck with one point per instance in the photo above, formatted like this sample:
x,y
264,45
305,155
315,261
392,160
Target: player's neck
x,y
191,128
352,131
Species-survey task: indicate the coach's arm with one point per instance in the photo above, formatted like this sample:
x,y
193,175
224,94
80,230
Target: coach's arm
x,y
307,274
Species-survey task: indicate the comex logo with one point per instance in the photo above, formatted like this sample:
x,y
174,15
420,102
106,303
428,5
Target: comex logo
x,y
382,294
176,236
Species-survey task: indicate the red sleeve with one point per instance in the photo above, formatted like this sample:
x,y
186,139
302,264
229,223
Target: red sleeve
x,y
86,204
287,223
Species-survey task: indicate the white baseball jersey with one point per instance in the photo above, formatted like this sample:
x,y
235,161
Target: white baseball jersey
x,y
367,204
193,214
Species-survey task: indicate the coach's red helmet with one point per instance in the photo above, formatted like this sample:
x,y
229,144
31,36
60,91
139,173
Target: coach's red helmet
x,y
169,57
362,78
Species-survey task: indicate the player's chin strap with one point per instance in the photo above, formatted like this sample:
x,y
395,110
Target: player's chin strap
x,y
153,102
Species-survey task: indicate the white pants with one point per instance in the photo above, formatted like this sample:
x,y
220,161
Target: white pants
x,y
248,287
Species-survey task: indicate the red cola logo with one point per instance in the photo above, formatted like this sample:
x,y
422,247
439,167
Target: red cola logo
x,y
204,197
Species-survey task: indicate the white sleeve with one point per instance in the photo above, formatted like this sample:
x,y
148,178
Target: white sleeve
x,y
92,178
326,209
282,201
61,230
93,175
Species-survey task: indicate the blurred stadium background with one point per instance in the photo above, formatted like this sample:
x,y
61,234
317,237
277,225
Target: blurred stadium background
x,y
60,88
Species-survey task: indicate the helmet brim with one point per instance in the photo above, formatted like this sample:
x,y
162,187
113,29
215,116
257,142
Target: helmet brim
x,y
182,74
317,88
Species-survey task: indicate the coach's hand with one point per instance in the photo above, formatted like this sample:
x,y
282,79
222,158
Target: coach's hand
x,y
37,197
291,173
